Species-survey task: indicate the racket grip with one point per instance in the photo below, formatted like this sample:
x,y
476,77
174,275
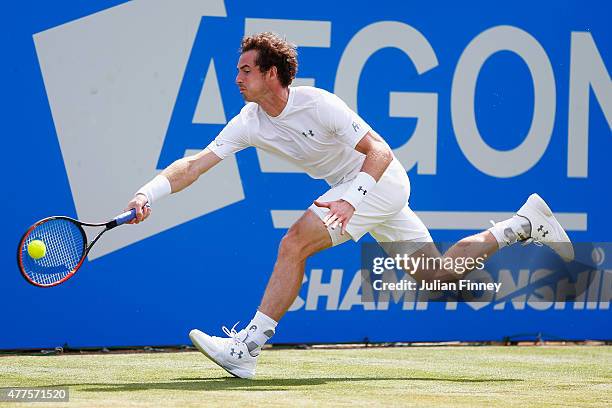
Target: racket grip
x,y
125,217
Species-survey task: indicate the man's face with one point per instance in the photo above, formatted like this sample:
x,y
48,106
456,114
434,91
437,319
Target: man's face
x,y
250,80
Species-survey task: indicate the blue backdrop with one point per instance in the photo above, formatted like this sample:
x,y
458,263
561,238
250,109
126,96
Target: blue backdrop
x,y
484,102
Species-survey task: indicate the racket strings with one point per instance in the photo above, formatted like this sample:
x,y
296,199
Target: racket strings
x,y
65,246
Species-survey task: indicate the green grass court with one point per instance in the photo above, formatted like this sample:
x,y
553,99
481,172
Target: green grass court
x,y
555,376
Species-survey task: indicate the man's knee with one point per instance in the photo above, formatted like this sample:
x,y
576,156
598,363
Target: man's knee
x,y
306,237
293,245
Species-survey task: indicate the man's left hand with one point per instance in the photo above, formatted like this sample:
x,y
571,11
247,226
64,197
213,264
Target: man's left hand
x,y
340,213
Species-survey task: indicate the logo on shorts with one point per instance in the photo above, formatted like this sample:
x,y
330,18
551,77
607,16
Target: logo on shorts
x,y
310,133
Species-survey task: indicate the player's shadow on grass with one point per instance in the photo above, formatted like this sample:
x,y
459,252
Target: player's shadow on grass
x,y
265,384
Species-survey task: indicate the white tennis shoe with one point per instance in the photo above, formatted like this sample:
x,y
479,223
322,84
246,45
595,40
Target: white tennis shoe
x,y
230,353
545,229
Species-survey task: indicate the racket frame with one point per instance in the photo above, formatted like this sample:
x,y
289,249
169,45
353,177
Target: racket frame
x,y
108,225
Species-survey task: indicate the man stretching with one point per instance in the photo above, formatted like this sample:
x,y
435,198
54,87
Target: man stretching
x,y
369,190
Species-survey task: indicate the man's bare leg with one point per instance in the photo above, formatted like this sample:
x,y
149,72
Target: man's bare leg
x,y
306,237
238,353
533,221
481,245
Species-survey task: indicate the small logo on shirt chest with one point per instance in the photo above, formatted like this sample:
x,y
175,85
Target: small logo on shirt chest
x,y
308,134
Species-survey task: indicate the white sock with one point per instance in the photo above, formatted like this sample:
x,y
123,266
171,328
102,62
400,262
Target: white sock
x,y
511,230
259,331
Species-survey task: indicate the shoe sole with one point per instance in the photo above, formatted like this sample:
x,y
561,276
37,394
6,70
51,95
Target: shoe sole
x,y
202,350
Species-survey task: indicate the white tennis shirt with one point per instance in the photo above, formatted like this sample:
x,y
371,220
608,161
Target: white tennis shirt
x,y
316,131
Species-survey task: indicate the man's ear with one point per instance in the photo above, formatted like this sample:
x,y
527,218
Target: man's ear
x,y
273,72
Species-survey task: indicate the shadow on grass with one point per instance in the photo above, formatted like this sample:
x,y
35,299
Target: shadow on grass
x,y
265,384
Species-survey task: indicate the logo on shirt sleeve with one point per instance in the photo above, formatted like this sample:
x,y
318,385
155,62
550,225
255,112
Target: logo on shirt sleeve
x,y
356,126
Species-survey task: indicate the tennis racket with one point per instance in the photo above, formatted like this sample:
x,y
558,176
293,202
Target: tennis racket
x,y
63,249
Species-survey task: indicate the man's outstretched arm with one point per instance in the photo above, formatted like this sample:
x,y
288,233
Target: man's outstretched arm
x,y
176,177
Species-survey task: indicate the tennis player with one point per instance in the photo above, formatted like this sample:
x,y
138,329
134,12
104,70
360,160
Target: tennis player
x,y
369,190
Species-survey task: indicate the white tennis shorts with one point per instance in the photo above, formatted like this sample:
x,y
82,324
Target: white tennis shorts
x,y
384,213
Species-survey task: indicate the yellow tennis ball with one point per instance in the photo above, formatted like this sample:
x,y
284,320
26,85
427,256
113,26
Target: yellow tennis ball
x,y
37,249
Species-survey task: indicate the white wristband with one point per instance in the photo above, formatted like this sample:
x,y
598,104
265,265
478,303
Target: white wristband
x,y
359,188
155,189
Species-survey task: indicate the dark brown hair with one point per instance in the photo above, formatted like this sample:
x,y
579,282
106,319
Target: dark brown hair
x,y
273,51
